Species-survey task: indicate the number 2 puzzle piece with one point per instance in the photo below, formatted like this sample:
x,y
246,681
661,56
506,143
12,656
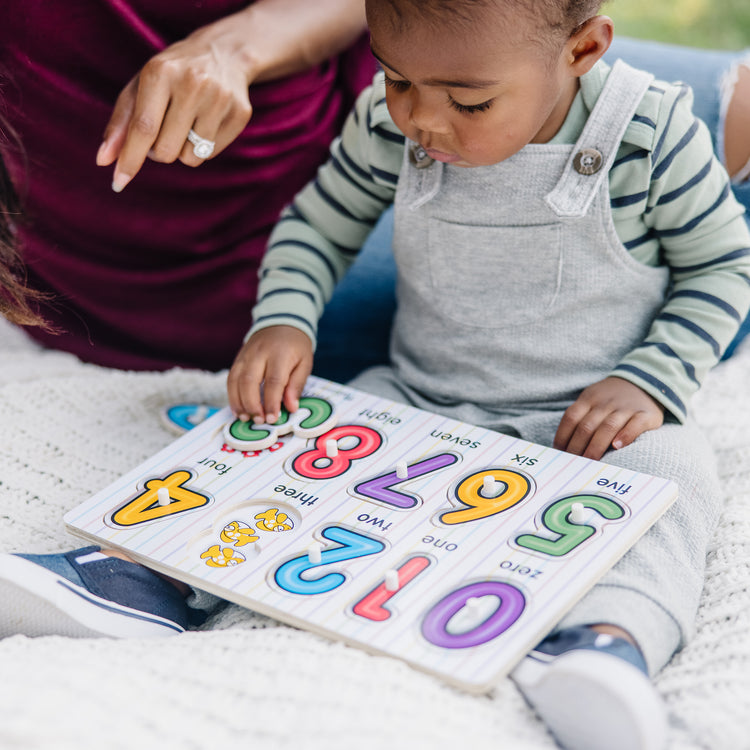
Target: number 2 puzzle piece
x,y
314,417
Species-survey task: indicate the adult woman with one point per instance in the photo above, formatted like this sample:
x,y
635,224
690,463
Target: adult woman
x,y
163,272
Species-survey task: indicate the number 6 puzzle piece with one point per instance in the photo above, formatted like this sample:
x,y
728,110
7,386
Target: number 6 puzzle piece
x,y
314,417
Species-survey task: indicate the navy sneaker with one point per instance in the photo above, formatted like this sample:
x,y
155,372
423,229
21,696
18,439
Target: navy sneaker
x,y
592,691
84,593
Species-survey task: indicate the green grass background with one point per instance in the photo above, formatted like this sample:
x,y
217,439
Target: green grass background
x,y
717,24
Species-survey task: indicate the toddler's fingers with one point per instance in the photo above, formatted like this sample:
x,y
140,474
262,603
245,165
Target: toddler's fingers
x,y
297,380
601,440
274,385
639,423
572,417
243,390
594,434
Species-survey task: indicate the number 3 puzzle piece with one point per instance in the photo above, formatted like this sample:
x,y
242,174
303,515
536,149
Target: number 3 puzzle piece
x,y
314,417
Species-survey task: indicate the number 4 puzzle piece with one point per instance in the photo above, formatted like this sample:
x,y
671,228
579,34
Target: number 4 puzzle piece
x,y
149,504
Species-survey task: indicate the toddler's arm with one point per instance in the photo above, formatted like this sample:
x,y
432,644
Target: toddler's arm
x,y
611,412
280,358
309,251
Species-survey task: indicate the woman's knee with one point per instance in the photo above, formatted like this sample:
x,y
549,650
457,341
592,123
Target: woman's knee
x,y
736,102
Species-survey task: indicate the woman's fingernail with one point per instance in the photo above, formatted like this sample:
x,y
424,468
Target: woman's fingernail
x,y
120,180
100,154
243,417
258,420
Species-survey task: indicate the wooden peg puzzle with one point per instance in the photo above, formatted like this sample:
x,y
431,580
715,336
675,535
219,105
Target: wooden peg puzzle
x,y
444,544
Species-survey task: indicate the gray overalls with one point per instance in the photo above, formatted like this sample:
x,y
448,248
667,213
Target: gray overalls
x,y
514,294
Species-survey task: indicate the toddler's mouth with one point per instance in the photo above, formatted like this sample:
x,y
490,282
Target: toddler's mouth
x,y
437,155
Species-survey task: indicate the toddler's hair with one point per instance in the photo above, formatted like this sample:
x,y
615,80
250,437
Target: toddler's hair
x,y
15,296
559,17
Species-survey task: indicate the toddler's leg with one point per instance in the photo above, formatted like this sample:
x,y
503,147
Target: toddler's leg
x,y
89,592
653,592
591,688
85,593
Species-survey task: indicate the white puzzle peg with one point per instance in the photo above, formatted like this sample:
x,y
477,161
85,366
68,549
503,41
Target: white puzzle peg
x,y
577,513
332,448
162,496
199,415
391,580
314,553
402,469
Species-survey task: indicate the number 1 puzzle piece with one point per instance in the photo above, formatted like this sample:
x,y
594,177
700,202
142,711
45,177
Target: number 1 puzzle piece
x,y
180,418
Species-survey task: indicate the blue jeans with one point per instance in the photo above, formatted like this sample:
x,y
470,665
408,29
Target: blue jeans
x,y
355,327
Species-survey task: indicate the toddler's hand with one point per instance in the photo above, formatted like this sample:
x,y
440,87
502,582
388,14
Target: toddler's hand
x,y
611,412
278,358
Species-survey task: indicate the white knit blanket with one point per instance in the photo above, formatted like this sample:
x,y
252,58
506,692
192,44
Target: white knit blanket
x,y
67,430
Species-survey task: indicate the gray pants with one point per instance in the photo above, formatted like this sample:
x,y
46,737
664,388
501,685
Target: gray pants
x,y
654,590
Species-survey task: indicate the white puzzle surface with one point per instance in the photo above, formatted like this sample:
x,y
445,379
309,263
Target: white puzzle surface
x,y
444,544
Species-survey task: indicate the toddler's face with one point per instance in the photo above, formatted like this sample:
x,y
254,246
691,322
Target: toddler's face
x,y
470,95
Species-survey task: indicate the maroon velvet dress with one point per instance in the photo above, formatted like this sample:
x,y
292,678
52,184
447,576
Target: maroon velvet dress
x,y
165,272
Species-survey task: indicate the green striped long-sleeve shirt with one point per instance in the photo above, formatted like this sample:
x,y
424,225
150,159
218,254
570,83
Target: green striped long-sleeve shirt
x,y
671,205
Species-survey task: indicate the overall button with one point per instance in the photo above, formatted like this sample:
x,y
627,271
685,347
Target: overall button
x,y
587,161
419,158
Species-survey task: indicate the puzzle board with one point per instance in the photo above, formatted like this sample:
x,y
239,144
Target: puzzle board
x,y
447,545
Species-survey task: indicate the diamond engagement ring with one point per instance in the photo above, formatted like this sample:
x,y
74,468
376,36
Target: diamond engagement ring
x,y
202,147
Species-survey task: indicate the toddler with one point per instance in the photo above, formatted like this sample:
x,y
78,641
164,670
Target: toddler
x,y
571,263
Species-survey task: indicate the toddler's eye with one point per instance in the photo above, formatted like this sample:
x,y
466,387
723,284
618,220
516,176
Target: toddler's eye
x,y
470,108
396,85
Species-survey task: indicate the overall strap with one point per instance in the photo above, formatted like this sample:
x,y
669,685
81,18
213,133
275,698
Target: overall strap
x,y
593,154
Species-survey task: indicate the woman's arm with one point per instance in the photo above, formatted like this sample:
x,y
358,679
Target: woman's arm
x,y
275,38
202,82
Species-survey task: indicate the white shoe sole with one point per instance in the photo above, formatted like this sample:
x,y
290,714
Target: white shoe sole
x,y
594,701
35,601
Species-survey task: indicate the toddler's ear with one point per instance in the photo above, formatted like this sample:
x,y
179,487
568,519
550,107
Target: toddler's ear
x,y
588,43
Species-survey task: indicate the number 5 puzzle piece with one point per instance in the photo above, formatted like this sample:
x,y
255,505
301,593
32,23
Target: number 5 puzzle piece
x,y
314,417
